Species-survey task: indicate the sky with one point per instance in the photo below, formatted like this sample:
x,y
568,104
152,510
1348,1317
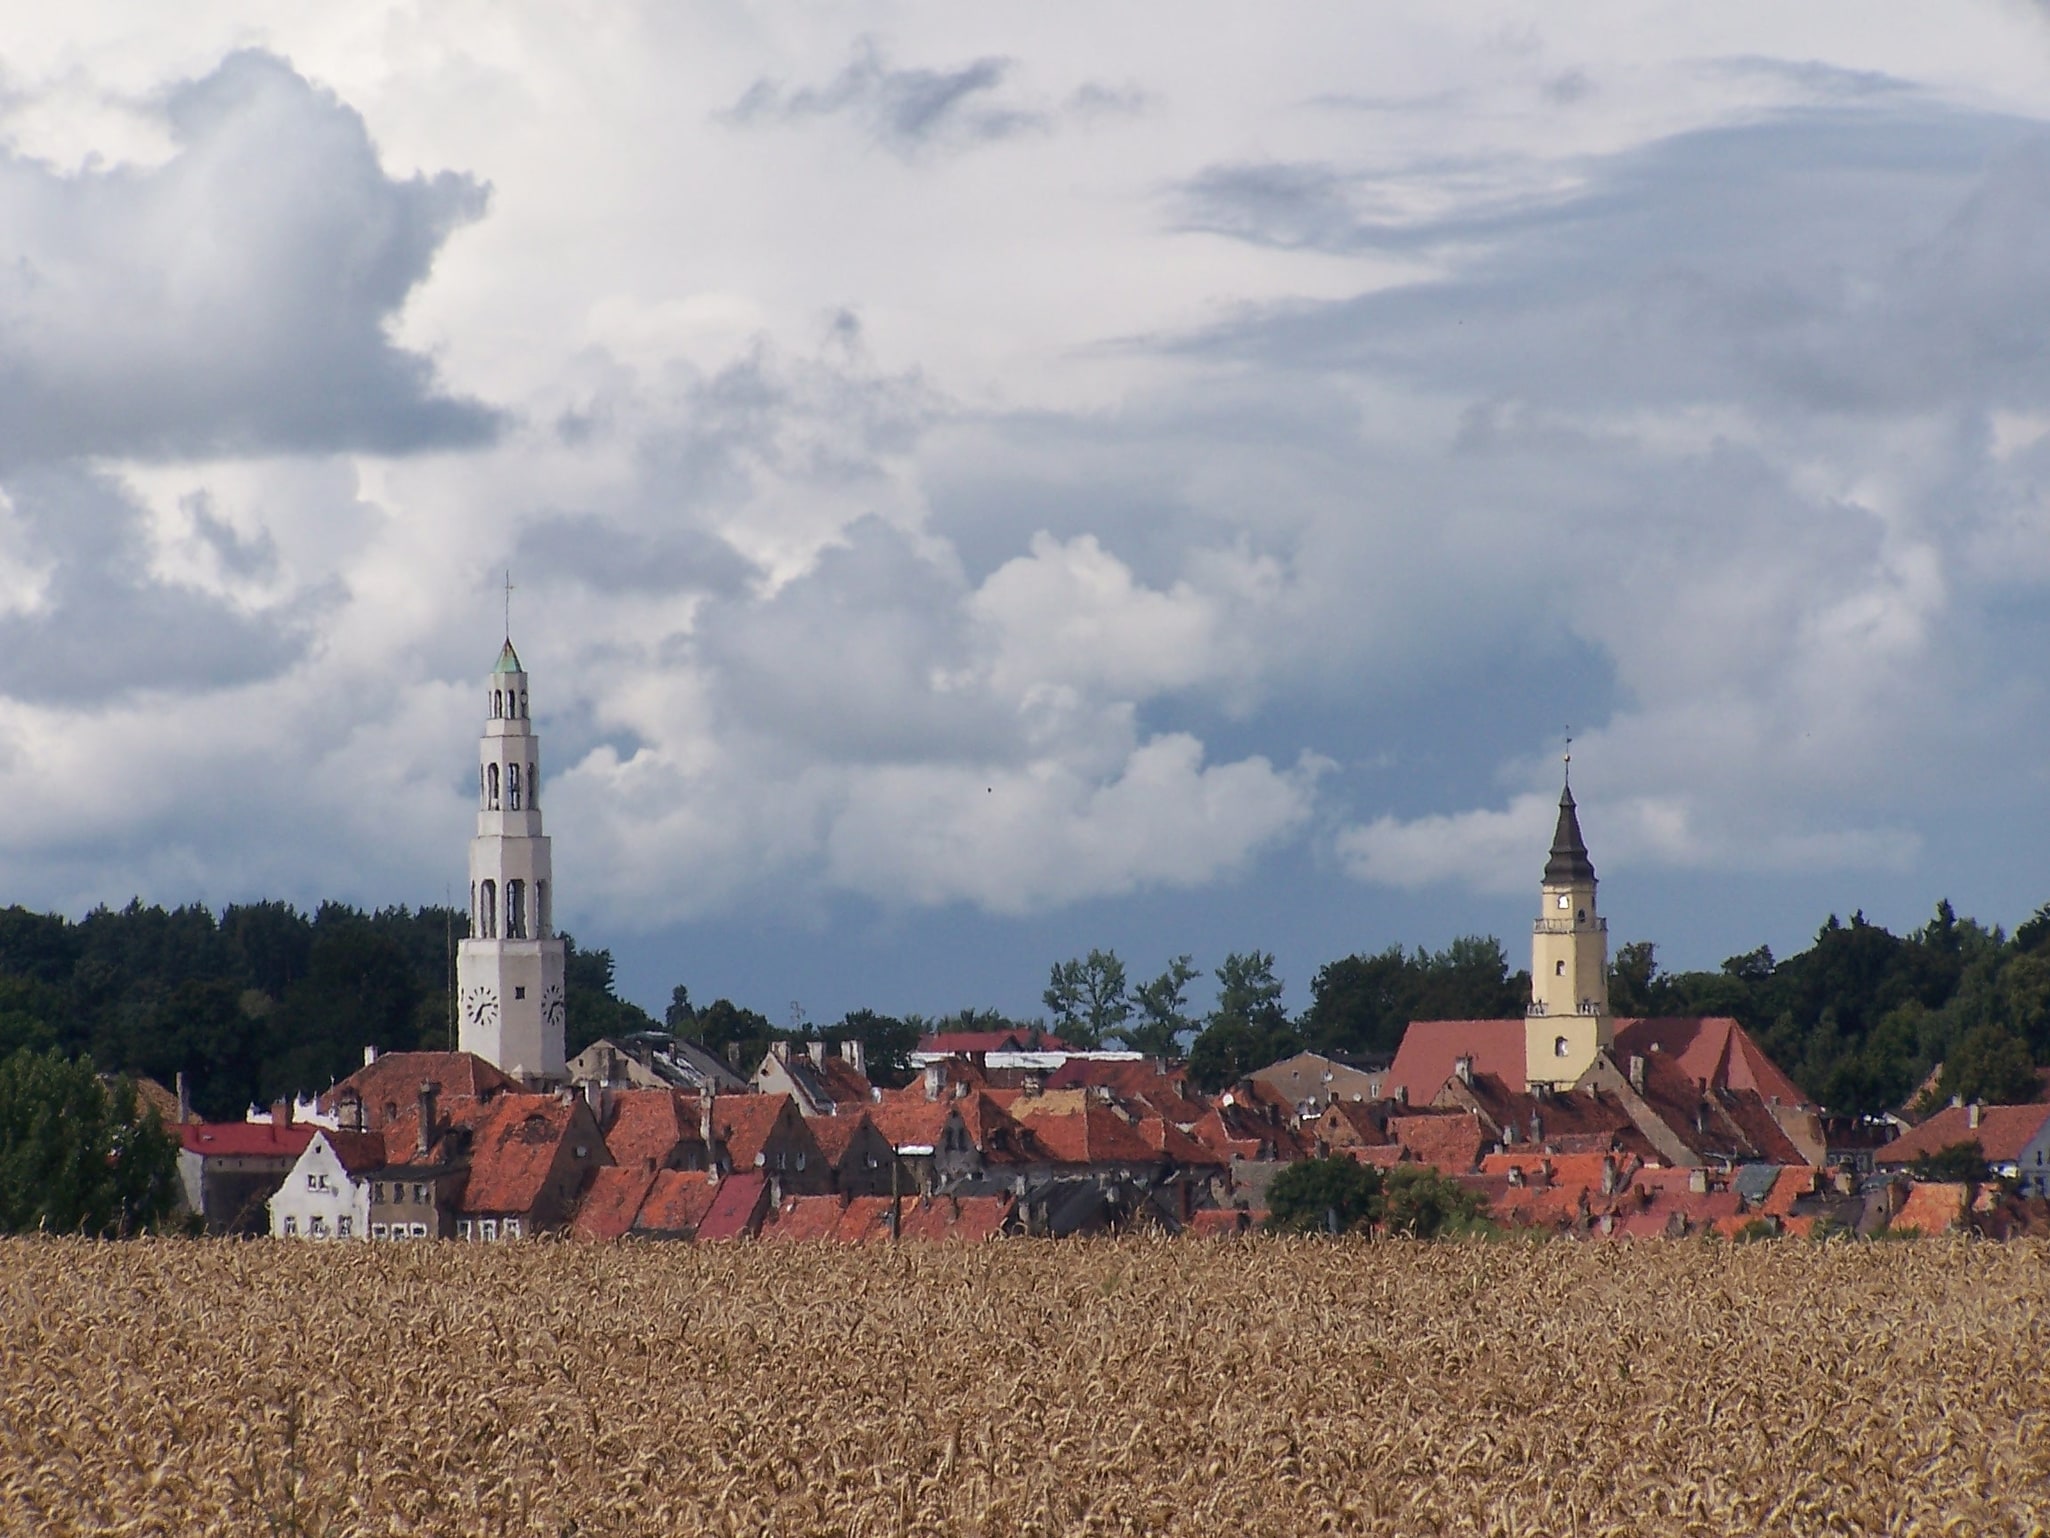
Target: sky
x,y
985,482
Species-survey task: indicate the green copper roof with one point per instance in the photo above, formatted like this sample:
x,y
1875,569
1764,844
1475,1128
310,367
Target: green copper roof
x,y
508,661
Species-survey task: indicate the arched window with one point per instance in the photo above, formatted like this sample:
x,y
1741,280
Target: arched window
x,y
491,787
1562,1048
541,915
487,911
497,703
534,786
516,910
1559,969
512,786
523,704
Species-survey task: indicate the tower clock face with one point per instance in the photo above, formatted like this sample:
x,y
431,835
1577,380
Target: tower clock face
x,y
551,1004
480,1005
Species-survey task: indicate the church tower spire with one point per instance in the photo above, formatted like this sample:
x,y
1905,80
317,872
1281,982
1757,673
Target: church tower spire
x,y
509,972
1568,1023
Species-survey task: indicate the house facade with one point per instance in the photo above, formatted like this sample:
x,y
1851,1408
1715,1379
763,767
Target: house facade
x,y
326,1193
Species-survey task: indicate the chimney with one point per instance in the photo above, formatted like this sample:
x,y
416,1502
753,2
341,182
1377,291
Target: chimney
x,y
705,1127
1697,1181
425,1141
816,1051
184,1100
780,1051
1637,1073
1537,1127
733,1054
369,1056
1464,1068
281,1113
1609,1173
1516,1174
935,1076
856,1055
1972,1114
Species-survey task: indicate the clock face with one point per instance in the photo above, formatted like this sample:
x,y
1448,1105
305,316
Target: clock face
x,y
481,1004
551,1004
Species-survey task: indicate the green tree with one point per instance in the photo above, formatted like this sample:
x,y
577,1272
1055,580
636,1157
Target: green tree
x,y
78,1156
1334,1195
1991,1065
886,1043
1088,999
1964,1161
1248,1028
1163,1010
1418,1201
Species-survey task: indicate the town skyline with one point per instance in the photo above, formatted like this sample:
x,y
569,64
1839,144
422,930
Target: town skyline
x,y
977,499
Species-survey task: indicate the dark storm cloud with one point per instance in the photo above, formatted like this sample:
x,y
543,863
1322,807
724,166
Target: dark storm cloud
x,y
105,626
1839,262
234,299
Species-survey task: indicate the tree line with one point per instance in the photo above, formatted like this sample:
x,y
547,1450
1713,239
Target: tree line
x,y
263,1000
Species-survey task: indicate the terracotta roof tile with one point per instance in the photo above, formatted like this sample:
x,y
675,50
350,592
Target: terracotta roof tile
x,y
390,1087
1714,1048
514,1151
967,1219
611,1204
1451,1144
835,1135
676,1203
650,1128
745,1124
1096,1135
1431,1050
1932,1207
360,1152
737,1209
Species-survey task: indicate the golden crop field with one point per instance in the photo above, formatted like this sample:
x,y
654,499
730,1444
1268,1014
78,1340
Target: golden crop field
x,y
1024,1387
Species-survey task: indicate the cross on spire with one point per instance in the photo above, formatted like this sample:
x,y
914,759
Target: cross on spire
x,y
508,605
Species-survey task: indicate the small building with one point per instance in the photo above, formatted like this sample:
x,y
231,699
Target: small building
x,y
764,1134
1312,1080
326,1194
821,1081
857,1155
653,1060
531,1157
2014,1140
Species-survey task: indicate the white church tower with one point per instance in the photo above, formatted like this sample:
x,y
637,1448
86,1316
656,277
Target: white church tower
x,y
509,973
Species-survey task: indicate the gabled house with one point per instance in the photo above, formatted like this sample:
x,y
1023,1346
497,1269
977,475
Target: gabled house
x,y
654,1129
2014,1140
531,1156
964,1136
819,1080
427,1162
1312,1080
326,1194
653,1060
857,1155
765,1135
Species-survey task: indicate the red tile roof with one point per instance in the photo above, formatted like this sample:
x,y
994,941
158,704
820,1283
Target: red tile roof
x,y
2003,1132
1431,1050
745,1124
515,1150
1714,1048
453,1125
835,1135
1222,1223
1351,1122
1932,1207
1451,1144
737,1209
1168,1141
648,1128
1095,1135
614,1199
969,1219
394,1081
676,1203
244,1139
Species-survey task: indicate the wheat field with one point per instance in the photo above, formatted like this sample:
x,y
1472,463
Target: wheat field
x,y
1023,1387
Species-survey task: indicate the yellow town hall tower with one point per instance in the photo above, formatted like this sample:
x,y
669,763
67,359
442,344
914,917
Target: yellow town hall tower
x,y
1567,1023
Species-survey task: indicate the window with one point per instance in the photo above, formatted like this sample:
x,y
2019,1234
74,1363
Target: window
x,y
419,1196
1581,915
1559,969
490,1230
491,787
512,787
487,911
377,1194
291,1228
512,1228
516,910
497,703
317,1227
342,1226
1562,1048
378,1231
800,1158
462,1228
519,990
419,1230
523,704
1565,901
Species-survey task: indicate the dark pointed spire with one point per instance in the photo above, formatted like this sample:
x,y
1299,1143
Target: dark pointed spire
x,y
1569,861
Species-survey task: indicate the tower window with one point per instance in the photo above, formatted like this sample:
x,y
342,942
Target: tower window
x,y
1565,901
1561,1047
491,787
512,786
1582,915
1559,969
523,704
497,704
516,910
487,911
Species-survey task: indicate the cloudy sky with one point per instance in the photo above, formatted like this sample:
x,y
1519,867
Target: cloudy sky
x,y
987,481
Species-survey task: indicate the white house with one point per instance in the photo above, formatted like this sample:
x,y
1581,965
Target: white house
x,y
327,1193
